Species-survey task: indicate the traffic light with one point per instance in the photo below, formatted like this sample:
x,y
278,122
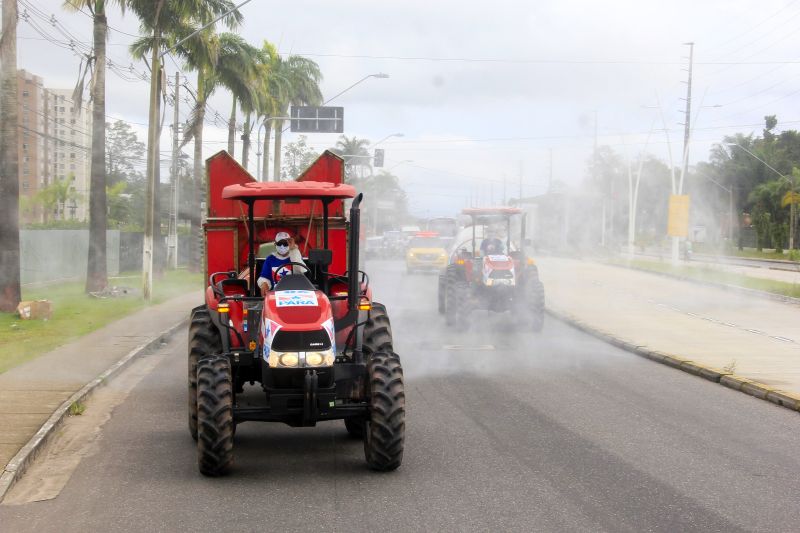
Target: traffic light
x,y
378,159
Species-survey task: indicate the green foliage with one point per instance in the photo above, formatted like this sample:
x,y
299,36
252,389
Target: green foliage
x,y
76,314
297,156
59,224
357,159
779,232
763,224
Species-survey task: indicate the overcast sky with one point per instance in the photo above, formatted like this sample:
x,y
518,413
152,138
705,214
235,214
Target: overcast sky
x,y
484,91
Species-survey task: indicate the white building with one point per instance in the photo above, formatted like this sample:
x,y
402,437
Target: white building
x,y
69,132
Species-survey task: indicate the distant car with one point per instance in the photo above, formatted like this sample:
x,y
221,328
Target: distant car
x,y
393,244
373,248
426,251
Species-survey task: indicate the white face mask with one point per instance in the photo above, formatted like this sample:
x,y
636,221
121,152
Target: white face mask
x,y
283,250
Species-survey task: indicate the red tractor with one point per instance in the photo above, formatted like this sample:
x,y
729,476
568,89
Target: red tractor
x,y
494,275
317,344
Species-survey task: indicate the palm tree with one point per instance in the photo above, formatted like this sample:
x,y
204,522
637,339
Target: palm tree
x,y
96,271
9,162
302,76
176,16
355,154
247,100
270,104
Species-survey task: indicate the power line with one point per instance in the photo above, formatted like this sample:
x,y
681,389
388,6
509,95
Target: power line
x,y
544,61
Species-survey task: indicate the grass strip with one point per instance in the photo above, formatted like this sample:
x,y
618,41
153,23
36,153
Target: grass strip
x,y
710,274
75,313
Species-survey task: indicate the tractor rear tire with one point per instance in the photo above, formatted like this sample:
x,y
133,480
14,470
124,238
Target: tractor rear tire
x,y
204,341
384,434
442,293
535,303
215,424
454,312
377,331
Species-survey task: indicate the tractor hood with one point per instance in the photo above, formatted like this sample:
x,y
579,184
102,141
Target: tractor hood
x,y
298,310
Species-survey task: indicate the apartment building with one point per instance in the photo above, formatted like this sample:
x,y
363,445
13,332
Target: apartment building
x,y
54,145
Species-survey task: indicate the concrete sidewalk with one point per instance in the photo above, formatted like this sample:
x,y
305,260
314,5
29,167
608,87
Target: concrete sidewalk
x,y
750,337
31,392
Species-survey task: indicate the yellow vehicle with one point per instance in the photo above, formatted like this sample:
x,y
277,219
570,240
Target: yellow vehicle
x,y
426,251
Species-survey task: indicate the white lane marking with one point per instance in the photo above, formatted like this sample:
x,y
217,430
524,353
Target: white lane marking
x,y
467,347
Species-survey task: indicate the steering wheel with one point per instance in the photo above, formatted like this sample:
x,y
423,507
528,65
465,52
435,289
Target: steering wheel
x,y
293,264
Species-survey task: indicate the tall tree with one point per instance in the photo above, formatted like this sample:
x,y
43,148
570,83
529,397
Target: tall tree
x,y
248,98
269,105
177,17
9,162
298,157
356,156
302,77
96,268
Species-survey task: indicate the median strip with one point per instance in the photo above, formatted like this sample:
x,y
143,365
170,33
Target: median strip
x,y
728,379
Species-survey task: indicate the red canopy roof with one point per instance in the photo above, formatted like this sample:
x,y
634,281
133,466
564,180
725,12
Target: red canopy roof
x,y
288,189
489,211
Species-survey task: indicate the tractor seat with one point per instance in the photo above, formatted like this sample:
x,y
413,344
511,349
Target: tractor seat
x,y
294,282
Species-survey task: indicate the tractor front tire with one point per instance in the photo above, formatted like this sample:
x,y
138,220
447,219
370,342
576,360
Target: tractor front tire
x,y
215,424
204,341
377,338
384,434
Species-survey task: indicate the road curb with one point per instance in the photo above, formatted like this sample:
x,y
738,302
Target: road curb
x,y
785,399
20,462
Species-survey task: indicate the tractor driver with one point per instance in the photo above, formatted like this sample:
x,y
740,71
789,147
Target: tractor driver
x,y
274,268
491,245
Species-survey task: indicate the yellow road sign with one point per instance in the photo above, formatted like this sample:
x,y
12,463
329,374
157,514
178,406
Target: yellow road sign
x,y
678,223
790,198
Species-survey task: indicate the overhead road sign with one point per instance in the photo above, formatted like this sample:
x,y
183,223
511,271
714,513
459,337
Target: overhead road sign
x,y
314,119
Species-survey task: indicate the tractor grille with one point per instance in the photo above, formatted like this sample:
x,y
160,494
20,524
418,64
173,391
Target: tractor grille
x,y
501,274
427,257
301,341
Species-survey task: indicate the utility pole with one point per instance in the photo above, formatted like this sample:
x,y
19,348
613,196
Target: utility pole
x,y
172,252
688,116
152,162
686,138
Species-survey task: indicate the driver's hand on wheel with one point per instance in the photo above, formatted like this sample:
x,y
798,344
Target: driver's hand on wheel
x,y
264,285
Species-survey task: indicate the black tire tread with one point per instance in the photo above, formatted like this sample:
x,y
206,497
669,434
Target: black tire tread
x,y
385,434
535,296
204,340
377,331
215,424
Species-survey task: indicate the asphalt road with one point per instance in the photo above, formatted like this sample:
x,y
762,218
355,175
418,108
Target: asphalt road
x,y
505,432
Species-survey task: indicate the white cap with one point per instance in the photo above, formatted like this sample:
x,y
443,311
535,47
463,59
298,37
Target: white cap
x,y
281,236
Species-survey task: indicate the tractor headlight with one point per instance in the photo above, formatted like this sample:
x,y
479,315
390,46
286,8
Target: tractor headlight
x,y
320,358
294,359
290,359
